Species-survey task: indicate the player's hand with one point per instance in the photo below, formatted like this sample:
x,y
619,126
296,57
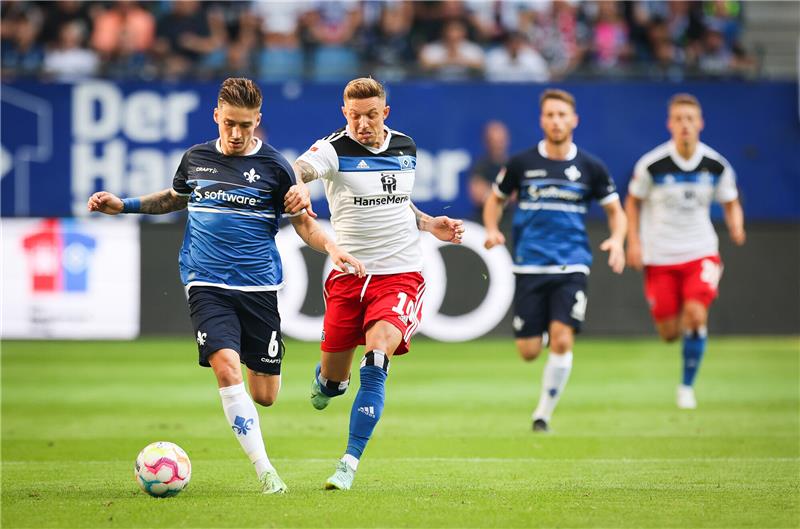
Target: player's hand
x,y
738,236
446,229
635,255
344,261
297,198
616,254
494,238
105,202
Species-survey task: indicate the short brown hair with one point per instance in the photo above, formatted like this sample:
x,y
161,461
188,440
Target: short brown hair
x,y
684,99
364,88
240,92
560,95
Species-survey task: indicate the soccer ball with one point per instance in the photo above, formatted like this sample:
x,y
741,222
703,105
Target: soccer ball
x,y
162,469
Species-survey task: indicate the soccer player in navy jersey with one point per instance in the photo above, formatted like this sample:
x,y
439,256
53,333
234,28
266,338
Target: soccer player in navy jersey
x,y
368,171
235,188
555,183
671,237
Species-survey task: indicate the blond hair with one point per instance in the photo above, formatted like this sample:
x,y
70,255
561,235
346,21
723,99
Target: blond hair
x,y
364,88
684,99
240,92
560,95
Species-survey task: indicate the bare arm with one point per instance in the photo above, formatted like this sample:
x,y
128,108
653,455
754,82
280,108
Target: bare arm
x,y
633,206
734,220
313,235
304,171
165,201
443,228
492,213
299,197
615,244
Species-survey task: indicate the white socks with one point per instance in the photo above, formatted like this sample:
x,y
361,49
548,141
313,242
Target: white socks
x,y
554,379
243,420
351,461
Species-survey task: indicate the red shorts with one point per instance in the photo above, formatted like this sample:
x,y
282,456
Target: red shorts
x,y
353,304
667,287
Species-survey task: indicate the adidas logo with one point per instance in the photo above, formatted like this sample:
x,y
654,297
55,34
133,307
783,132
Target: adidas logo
x,y
369,411
362,165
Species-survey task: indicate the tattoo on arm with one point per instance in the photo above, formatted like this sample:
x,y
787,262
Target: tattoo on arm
x,y
304,171
165,201
420,217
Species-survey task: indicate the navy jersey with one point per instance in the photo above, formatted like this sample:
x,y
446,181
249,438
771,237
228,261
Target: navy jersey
x,y
235,203
549,229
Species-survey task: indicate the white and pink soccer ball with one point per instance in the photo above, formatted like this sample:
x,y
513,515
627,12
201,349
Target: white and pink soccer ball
x,y
162,469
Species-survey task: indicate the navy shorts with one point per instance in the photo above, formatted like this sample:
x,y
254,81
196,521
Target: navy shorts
x,y
247,322
542,298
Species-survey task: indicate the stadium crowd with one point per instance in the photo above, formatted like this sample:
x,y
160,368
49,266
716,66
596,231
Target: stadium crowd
x,y
452,40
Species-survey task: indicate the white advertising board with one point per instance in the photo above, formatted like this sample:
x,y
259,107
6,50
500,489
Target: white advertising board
x,y
70,279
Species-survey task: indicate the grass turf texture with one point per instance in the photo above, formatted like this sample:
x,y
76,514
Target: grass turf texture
x,y
454,447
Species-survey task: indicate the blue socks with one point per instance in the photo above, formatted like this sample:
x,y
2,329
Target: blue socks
x,y
368,405
694,345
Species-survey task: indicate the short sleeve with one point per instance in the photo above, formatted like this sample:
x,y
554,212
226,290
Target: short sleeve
x,y
641,182
508,179
604,190
286,179
725,190
179,181
322,157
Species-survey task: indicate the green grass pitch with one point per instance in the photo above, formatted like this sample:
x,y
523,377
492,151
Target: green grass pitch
x,y
454,447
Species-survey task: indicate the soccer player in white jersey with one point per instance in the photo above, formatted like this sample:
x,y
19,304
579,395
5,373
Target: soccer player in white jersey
x,y
235,188
670,233
368,173
555,182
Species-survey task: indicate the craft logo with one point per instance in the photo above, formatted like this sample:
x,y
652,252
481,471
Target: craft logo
x,y
59,257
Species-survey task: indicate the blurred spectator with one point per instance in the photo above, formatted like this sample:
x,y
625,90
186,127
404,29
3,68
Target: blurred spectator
x,y
68,60
453,57
516,61
666,59
726,16
392,54
332,28
59,13
494,20
610,45
484,172
716,59
123,36
558,35
190,35
281,57
22,55
431,16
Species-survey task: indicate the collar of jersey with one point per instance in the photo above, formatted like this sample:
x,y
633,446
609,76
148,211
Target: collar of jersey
x,y
573,152
257,148
373,150
682,163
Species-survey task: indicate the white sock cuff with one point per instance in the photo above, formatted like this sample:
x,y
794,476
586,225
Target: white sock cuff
x,y
558,360
376,357
232,391
351,461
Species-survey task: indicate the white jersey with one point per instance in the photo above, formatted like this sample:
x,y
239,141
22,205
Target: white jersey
x,y
369,194
676,197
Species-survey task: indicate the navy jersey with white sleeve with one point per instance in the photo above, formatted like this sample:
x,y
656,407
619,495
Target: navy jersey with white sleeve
x,y
549,228
235,203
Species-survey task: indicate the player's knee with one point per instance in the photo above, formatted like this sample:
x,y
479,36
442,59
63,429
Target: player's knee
x,y
529,351
560,344
265,399
669,334
694,317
